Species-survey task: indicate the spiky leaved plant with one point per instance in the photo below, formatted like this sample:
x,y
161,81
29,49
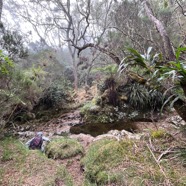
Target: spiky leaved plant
x,y
140,94
146,62
159,75
175,72
141,97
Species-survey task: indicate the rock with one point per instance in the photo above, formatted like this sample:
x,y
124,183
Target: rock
x,y
106,136
94,109
119,135
85,139
176,120
26,134
27,127
130,135
64,131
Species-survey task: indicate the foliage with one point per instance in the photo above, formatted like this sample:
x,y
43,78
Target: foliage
x,y
158,134
157,76
12,43
146,61
100,156
19,92
87,106
63,148
53,96
141,67
142,97
174,74
182,155
109,70
112,96
175,69
128,162
6,64
110,83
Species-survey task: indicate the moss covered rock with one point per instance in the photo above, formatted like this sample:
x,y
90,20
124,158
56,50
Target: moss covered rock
x,y
62,148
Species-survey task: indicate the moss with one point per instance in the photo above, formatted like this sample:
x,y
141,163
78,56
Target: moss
x,y
126,162
159,134
11,149
62,148
102,157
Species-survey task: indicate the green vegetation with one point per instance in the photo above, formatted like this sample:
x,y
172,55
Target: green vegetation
x,y
125,61
159,133
106,162
141,97
127,163
6,64
62,148
54,96
19,166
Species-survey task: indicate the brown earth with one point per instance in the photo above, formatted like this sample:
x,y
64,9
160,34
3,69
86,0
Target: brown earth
x,y
61,125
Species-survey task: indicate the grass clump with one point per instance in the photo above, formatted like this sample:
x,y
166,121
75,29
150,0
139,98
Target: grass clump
x,y
156,134
11,149
101,158
62,148
127,162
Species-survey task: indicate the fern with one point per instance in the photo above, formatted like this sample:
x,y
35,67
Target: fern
x,y
108,70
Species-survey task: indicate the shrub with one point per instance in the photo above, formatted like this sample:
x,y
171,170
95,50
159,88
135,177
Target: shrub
x,y
53,96
141,97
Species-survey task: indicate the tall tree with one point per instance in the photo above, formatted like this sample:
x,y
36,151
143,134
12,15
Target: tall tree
x,y
1,8
161,29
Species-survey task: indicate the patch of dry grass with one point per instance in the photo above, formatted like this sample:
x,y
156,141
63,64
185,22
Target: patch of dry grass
x,y
20,166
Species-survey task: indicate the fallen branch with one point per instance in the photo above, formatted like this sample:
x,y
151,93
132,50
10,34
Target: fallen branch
x,y
168,151
160,167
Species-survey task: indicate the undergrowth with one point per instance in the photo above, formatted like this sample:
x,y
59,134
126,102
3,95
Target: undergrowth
x,y
20,166
130,163
154,160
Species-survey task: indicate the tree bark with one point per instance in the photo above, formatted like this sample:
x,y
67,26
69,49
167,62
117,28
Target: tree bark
x,y
1,8
162,31
103,50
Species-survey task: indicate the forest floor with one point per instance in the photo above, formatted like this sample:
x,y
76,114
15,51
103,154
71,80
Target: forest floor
x,y
158,158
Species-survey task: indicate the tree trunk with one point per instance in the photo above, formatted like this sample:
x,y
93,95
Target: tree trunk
x,y
179,105
161,29
75,73
1,8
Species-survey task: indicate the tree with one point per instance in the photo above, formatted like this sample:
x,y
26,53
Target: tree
x,y
162,31
1,8
74,25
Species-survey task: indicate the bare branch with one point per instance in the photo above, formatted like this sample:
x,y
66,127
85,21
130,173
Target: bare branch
x,y
182,9
101,49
